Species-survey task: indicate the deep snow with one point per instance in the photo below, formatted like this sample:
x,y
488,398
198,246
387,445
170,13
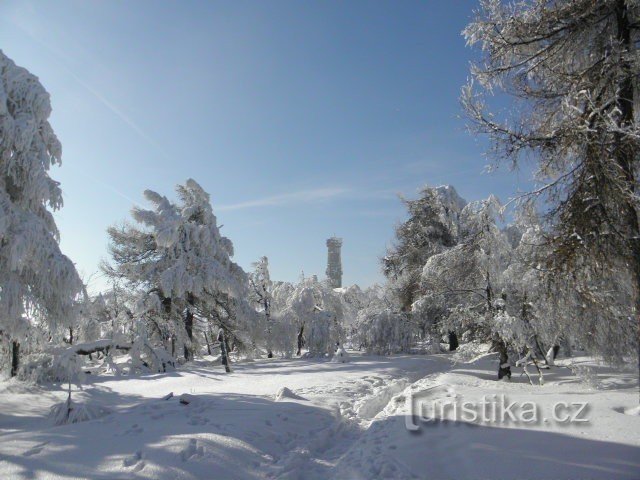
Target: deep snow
x,y
306,418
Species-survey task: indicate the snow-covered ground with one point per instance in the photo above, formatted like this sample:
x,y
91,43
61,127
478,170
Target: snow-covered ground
x,y
305,418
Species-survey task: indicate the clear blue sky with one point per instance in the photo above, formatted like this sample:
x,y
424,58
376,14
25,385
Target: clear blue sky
x,y
301,119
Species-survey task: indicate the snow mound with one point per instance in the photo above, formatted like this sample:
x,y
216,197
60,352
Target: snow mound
x,y
633,411
186,398
71,412
285,393
471,352
341,356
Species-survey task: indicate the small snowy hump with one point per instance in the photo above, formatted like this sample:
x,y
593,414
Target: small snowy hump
x,y
187,398
341,356
286,394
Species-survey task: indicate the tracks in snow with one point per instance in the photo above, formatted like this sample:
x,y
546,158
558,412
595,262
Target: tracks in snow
x,y
364,400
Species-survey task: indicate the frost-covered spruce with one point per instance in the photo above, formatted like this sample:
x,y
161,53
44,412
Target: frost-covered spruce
x,y
36,276
180,266
432,227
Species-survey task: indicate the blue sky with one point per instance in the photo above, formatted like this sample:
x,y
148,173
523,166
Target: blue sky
x,y
301,119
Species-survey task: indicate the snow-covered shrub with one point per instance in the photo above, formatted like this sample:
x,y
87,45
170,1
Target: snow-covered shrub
x,y
147,358
587,375
341,356
320,334
71,412
315,310
283,335
385,332
37,368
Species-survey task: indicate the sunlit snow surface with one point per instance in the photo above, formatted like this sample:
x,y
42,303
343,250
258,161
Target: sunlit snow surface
x,y
349,422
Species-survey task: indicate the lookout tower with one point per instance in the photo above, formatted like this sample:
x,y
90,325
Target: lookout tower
x,y
334,262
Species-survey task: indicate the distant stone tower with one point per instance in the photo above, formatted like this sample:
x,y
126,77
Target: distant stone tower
x,y
334,262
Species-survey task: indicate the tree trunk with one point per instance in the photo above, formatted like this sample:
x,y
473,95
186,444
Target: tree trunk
x,y
15,358
224,353
268,316
625,153
453,341
188,326
300,340
504,369
70,335
206,339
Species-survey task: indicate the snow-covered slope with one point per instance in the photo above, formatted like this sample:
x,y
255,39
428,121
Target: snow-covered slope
x,y
336,420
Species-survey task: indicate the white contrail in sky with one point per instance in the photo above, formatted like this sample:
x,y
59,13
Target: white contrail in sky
x,y
64,61
303,196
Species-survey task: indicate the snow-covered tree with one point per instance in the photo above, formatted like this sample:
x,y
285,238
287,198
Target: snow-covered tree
x,y
431,227
383,332
179,264
261,294
38,282
470,275
571,68
317,312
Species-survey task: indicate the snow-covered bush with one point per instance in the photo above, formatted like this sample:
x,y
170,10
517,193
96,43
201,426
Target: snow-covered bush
x,y
72,412
341,356
316,311
37,368
385,332
321,334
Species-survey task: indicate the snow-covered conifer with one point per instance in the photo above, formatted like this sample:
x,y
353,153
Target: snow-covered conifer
x,y
180,265
38,281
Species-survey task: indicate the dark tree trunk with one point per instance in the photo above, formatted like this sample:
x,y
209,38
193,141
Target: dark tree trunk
x,y
453,341
504,369
224,352
70,336
300,340
267,314
188,326
15,358
206,339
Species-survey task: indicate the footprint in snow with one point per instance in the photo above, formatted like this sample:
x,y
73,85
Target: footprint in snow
x,y
35,449
191,450
136,461
135,429
196,420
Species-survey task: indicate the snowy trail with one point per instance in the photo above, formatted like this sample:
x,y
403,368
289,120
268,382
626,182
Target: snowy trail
x,y
234,427
342,421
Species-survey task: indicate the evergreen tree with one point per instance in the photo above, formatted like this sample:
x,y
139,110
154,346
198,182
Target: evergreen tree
x,y
39,283
179,264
